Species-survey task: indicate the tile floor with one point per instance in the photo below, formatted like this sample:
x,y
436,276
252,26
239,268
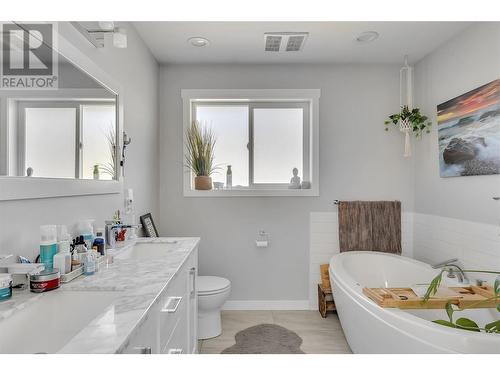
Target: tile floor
x,y
320,336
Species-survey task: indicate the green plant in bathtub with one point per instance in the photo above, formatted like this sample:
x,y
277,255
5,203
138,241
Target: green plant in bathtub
x,y
466,323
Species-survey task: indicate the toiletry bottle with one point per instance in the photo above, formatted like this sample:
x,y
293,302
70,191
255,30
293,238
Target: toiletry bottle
x,y
96,255
229,177
5,286
84,228
99,241
48,245
75,260
88,263
62,260
80,248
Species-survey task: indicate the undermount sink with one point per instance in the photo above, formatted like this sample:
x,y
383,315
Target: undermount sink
x,y
51,321
148,250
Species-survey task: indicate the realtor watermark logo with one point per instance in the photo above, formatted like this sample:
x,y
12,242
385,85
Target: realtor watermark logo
x,y
29,56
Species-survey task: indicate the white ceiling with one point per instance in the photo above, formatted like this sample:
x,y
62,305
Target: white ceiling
x,y
328,42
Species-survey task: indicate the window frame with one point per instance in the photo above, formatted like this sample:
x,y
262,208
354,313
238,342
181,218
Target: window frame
x,y
305,167
307,99
14,188
78,105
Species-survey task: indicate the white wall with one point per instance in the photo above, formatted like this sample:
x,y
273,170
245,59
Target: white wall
x,y
137,71
358,160
456,217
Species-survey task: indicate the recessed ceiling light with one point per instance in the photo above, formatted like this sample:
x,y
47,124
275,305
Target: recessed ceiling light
x,y
198,41
367,37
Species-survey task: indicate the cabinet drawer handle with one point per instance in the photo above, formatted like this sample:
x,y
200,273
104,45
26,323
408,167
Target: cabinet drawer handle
x,y
192,272
174,351
168,309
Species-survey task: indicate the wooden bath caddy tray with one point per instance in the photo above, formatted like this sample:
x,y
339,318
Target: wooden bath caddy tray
x,y
405,298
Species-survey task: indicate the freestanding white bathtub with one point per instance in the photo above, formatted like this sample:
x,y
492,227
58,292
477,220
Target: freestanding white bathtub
x,y
372,329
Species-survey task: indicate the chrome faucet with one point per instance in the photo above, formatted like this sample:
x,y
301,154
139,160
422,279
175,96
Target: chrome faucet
x,y
453,270
112,228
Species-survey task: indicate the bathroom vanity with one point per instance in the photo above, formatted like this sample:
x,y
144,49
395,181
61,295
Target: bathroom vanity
x,y
144,302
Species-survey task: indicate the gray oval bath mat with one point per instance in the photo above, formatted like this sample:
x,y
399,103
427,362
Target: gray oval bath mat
x,y
265,339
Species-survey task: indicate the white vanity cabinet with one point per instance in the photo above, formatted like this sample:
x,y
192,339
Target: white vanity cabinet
x,y
193,304
144,338
170,325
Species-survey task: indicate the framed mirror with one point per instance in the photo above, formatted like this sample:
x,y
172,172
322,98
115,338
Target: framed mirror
x,y
64,140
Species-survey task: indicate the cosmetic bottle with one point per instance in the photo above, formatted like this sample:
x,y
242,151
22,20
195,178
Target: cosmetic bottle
x,y
5,286
62,260
96,255
48,245
79,252
75,260
99,242
89,263
84,228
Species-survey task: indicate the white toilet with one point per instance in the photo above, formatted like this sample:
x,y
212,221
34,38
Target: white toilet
x,y
213,291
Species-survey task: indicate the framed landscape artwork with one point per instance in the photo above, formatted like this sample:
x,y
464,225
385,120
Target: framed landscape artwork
x,y
469,133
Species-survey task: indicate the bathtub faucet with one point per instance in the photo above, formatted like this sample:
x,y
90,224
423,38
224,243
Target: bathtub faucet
x,y
453,270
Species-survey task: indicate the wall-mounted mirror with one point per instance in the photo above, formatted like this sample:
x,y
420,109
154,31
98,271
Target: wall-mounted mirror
x,y
67,133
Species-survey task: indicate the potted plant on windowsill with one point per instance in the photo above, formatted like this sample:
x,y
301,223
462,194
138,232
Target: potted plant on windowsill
x,y
200,146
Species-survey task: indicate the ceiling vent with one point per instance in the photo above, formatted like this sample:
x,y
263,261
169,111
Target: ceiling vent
x,y
285,41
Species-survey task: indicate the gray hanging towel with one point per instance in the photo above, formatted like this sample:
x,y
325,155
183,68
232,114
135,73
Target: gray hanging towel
x,y
370,226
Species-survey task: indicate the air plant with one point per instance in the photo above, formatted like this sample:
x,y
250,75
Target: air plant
x,y
200,146
463,322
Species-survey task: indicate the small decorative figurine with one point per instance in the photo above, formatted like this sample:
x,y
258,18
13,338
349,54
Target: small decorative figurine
x,y
295,180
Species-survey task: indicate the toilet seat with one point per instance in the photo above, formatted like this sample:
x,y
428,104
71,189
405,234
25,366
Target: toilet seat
x,y
209,285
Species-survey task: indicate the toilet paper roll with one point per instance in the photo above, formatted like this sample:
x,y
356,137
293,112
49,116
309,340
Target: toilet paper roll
x,y
261,243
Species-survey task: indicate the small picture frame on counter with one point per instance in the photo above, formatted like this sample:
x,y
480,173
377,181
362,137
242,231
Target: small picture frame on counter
x,y
149,225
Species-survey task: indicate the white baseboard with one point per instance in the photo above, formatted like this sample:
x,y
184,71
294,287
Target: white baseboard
x,y
266,305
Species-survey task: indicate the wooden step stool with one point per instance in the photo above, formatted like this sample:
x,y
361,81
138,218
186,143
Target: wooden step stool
x,y
325,297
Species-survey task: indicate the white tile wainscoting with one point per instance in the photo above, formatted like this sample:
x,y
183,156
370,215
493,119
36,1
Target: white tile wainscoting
x,y
324,243
476,245
428,238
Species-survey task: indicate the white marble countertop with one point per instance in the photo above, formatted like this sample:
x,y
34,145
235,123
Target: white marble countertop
x,y
137,282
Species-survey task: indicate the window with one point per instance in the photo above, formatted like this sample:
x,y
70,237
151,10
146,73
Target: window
x,y
230,124
263,140
44,151
278,143
98,138
66,139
